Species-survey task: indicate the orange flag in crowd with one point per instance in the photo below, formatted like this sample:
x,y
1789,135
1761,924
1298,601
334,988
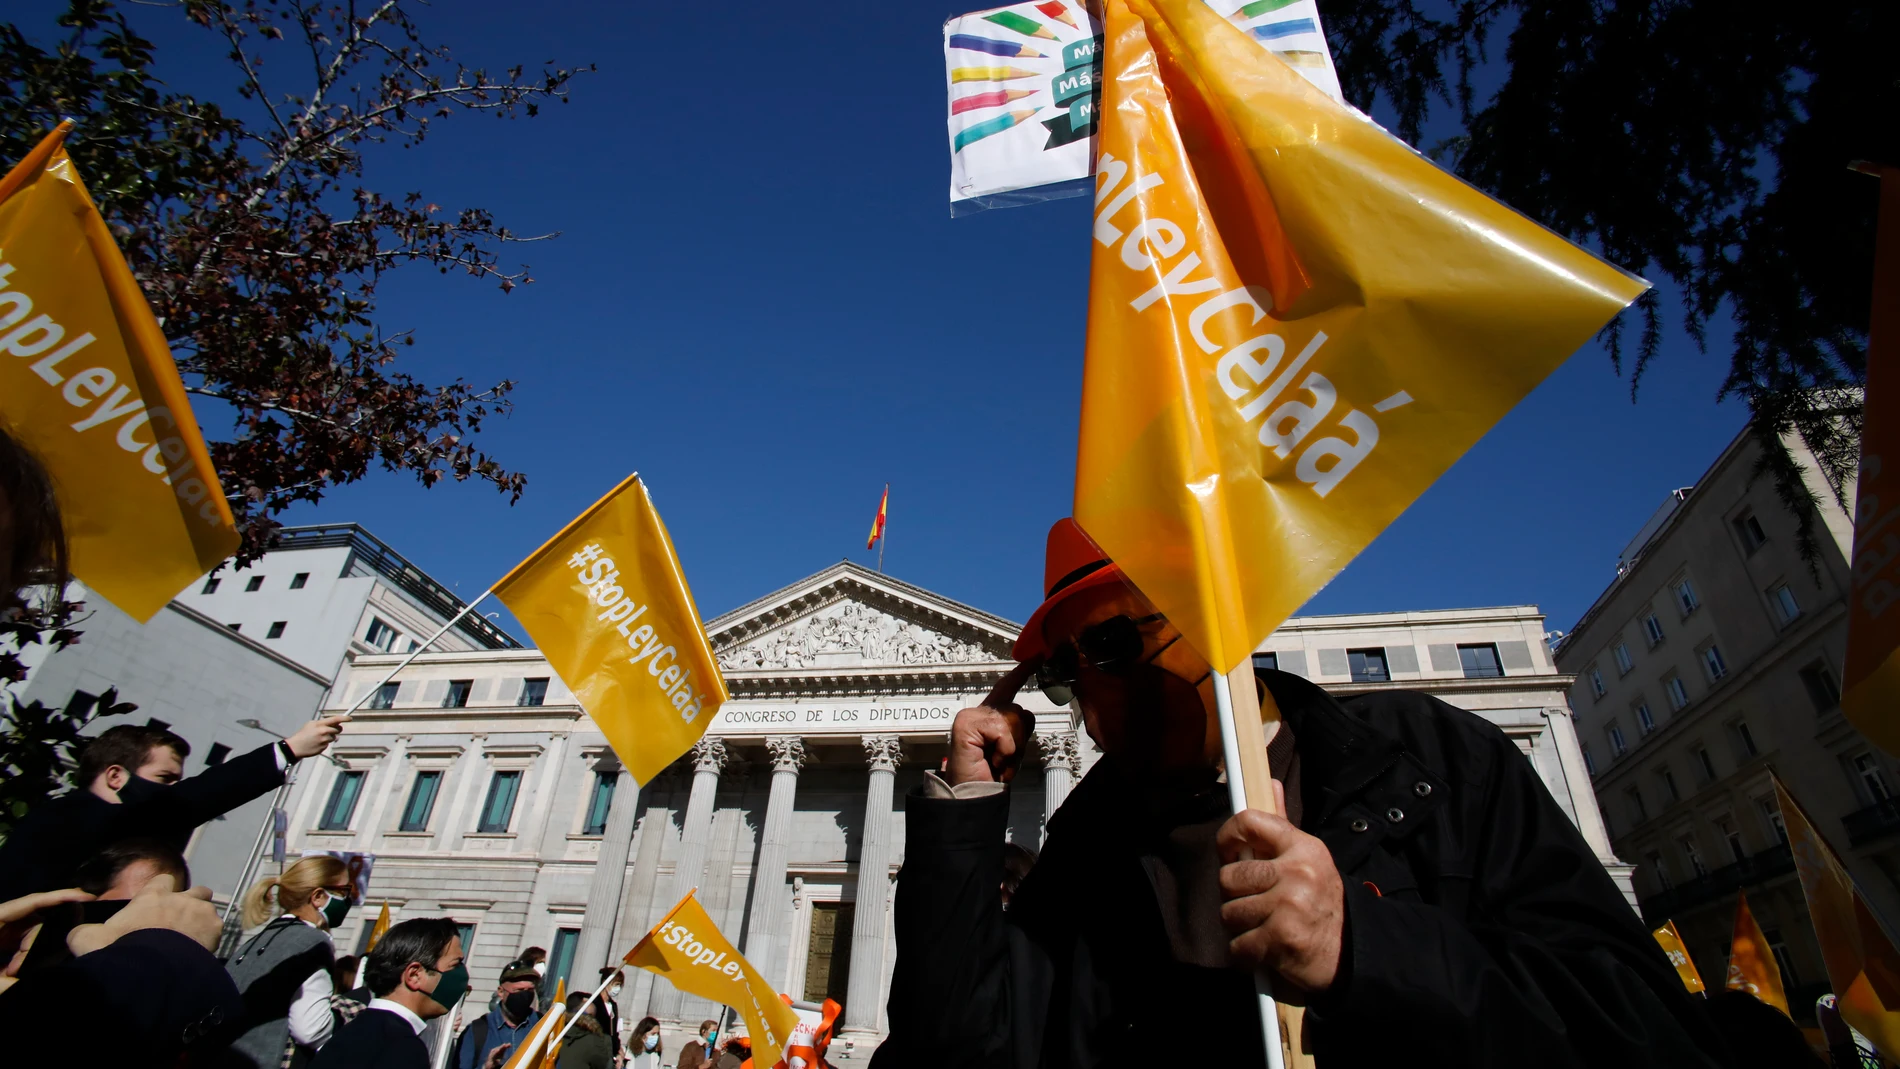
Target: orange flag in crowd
x,y
1872,674
1862,964
1671,941
877,524
687,948
1751,964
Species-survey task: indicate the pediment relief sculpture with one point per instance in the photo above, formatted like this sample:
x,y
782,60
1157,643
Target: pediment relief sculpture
x,y
850,633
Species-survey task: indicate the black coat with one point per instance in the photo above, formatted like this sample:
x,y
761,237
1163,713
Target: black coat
x,y
60,834
150,998
377,1039
1493,938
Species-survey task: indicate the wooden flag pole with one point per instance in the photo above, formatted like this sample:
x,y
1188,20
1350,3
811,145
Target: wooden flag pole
x,y
1243,742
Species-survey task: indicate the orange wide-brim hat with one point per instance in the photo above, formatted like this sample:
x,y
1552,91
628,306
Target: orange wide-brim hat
x,y
1071,564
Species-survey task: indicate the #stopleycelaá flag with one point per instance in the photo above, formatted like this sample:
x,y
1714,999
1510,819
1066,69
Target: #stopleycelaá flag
x,y
1862,965
1296,325
1751,964
607,603
88,384
687,949
1871,695
1671,942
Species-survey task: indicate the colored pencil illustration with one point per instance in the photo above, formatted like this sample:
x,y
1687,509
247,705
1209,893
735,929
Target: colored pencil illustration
x,y
1261,7
1007,49
1055,10
1023,24
972,134
992,99
1275,30
989,74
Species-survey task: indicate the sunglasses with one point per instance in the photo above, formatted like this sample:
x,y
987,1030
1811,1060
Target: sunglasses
x,y
1107,646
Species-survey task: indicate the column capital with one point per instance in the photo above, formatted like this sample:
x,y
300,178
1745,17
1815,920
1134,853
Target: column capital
x,y
709,754
787,752
1058,749
882,752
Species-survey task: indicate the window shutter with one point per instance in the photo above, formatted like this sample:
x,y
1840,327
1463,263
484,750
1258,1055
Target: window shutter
x,y
1293,661
1333,663
1444,657
509,691
1401,659
1515,655
434,691
478,692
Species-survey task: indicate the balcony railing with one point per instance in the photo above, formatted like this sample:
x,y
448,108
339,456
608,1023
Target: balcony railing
x,y
1874,822
1728,879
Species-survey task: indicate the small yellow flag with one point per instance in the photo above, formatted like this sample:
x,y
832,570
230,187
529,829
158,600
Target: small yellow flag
x,y
687,949
376,932
606,601
1296,325
1678,955
88,384
554,1046
1872,673
1862,964
528,1052
1751,963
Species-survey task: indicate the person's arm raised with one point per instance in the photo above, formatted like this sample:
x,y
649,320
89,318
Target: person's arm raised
x,y
987,741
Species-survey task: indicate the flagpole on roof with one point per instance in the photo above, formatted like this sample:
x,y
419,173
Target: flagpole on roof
x,y
884,531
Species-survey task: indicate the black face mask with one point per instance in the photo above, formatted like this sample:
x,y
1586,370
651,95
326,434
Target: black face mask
x,y
519,1004
139,791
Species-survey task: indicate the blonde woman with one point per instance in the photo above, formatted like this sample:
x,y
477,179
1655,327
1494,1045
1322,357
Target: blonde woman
x,y
283,972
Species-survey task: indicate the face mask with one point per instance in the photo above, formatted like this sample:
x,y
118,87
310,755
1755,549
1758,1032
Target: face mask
x,y
335,910
711,1038
139,791
652,1041
540,968
614,991
450,989
519,1004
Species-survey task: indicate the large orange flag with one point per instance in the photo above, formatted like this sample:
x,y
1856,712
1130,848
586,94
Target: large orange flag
x,y
1862,964
88,384
1296,325
1751,963
1871,691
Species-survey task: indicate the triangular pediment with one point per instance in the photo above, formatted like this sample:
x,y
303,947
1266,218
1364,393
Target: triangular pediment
x,y
848,617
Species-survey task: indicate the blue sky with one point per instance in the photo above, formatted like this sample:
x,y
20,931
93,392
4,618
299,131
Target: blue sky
x,y
759,301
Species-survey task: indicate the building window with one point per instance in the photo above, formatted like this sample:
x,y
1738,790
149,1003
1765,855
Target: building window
x,y
561,958
1745,739
342,804
1480,661
1618,747
1662,874
1645,718
467,932
1872,779
1708,764
1685,597
1368,666
457,697
1783,597
1652,630
1637,807
216,755
1748,528
499,807
1713,664
828,958
1822,690
1596,682
297,581
362,937
1589,762
1771,812
533,692
1269,661
256,584
1789,979
1678,697
385,696
1733,838
380,635
1623,662
277,629
415,815
600,803
211,585
1689,854
234,627
1668,778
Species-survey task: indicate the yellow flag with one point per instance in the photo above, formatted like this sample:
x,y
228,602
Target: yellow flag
x,y
376,932
606,601
1751,963
1671,941
1862,965
528,1052
687,949
1872,672
88,384
1296,324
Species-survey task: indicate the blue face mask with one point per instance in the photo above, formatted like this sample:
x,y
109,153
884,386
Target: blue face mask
x,y
652,1040
712,1037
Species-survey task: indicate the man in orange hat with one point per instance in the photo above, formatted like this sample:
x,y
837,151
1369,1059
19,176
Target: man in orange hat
x,y
1422,896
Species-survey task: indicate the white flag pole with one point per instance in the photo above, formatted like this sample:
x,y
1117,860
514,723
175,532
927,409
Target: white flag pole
x,y
420,650
1237,795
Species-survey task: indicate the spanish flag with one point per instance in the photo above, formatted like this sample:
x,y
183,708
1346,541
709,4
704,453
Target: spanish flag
x,y
1751,963
877,525
1678,955
607,603
88,384
688,949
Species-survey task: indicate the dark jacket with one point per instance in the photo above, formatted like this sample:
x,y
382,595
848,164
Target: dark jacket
x,y
585,1049
59,834
1480,929
150,998
377,1039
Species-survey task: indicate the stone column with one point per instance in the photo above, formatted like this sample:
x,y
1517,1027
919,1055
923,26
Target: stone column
x,y
709,757
595,945
1061,759
762,928
641,905
863,993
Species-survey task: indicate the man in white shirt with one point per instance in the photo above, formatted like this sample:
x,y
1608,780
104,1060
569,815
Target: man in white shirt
x,y
415,973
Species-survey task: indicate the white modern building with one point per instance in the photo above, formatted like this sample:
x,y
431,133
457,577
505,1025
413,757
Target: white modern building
x,y
488,795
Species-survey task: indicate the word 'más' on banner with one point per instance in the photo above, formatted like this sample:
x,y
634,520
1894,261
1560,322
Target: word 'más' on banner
x,y
687,948
1294,331
1024,87
607,603
87,383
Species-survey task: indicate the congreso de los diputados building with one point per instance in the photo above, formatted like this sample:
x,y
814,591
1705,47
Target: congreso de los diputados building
x,y
486,794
